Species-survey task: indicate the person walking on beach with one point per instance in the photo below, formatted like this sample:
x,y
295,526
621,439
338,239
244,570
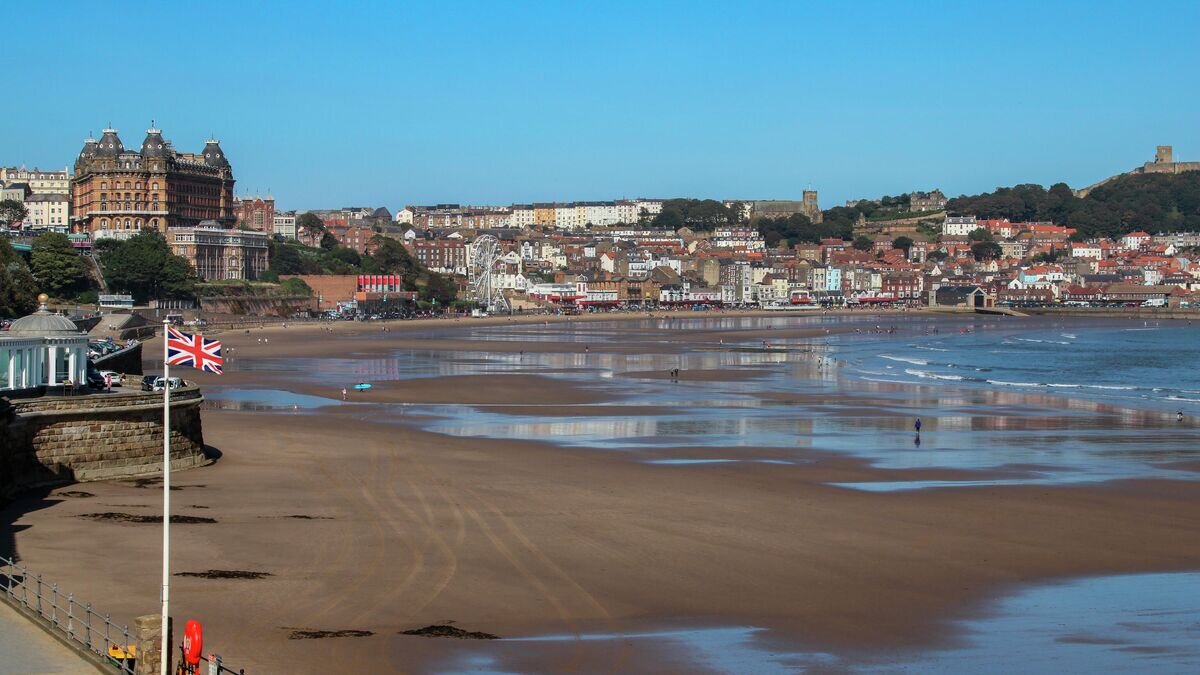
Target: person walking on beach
x,y
917,426
343,393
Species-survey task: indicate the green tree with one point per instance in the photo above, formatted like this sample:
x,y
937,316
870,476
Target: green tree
x,y
986,250
178,279
12,212
144,267
56,266
328,241
862,243
18,290
310,222
346,255
440,288
285,258
903,243
980,234
668,219
391,257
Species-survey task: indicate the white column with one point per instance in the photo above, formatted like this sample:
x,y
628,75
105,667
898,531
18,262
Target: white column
x,y
72,355
51,370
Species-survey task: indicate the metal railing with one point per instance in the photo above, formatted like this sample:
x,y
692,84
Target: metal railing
x,y
77,622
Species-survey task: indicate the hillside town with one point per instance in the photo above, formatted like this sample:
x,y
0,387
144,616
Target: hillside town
x,y
593,255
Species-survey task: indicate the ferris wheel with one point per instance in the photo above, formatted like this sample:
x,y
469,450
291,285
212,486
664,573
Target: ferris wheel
x,y
485,253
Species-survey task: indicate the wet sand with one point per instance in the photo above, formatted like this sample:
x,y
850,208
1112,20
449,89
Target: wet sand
x,y
377,526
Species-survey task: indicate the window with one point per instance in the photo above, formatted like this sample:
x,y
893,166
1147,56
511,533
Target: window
x,y
103,185
154,186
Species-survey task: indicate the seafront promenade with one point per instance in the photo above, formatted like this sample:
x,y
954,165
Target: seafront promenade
x,y
26,649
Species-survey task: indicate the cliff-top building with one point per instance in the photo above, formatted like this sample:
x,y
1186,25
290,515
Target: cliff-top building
x,y
118,192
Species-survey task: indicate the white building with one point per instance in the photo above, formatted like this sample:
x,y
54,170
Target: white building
x,y
42,350
959,226
522,216
285,224
566,217
405,215
48,210
652,207
40,181
627,211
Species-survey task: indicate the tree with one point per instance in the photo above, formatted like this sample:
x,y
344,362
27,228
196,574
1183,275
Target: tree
x,y
986,250
310,222
328,241
862,243
668,219
980,234
56,266
178,279
12,212
144,267
391,257
18,290
903,243
346,255
285,259
439,288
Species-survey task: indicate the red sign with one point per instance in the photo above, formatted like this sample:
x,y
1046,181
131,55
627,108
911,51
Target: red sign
x,y
193,642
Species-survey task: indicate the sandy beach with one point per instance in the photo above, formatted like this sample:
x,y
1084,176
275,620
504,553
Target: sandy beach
x,y
365,520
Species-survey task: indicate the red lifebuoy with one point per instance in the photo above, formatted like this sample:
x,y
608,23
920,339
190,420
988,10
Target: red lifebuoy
x,y
193,642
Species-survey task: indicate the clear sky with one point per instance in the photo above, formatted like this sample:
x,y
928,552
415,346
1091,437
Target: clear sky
x,y
386,104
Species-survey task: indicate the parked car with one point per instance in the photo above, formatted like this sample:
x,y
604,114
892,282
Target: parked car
x,y
148,382
116,378
175,383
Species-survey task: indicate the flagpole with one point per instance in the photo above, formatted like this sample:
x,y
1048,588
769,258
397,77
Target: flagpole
x,y
165,655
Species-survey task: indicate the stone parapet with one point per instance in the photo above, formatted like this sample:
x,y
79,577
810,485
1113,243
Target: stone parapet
x,y
53,439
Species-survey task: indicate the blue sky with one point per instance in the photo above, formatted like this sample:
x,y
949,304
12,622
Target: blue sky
x,y
385,103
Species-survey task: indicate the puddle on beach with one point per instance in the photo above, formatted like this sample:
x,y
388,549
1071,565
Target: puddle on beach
x,y
1129,623
264,399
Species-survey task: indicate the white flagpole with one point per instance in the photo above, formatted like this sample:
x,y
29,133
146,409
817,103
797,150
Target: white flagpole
x,y
165,656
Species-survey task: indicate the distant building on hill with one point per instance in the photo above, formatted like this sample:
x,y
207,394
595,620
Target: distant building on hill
x,y
926,201
1164,162
781,208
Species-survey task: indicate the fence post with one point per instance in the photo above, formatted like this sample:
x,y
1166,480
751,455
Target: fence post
x,y
54,604
39,595
87,631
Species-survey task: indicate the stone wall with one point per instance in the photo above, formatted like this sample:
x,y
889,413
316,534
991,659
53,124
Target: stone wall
x,y
51,439
259,306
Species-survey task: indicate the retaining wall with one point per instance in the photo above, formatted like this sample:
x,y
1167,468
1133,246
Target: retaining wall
x,y
53,439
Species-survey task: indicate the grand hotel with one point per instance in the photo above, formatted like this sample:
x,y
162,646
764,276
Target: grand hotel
x,y
119,192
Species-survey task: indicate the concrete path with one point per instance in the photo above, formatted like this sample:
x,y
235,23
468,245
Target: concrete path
x,y
26,649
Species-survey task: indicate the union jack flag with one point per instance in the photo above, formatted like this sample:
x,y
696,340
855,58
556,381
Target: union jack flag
x,y
185,349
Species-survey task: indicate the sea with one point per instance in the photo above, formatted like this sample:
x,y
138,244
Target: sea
x,y
1137,363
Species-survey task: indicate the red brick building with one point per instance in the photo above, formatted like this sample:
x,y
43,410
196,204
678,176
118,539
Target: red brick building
x,y
353,236
440,255
256,213
119,192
